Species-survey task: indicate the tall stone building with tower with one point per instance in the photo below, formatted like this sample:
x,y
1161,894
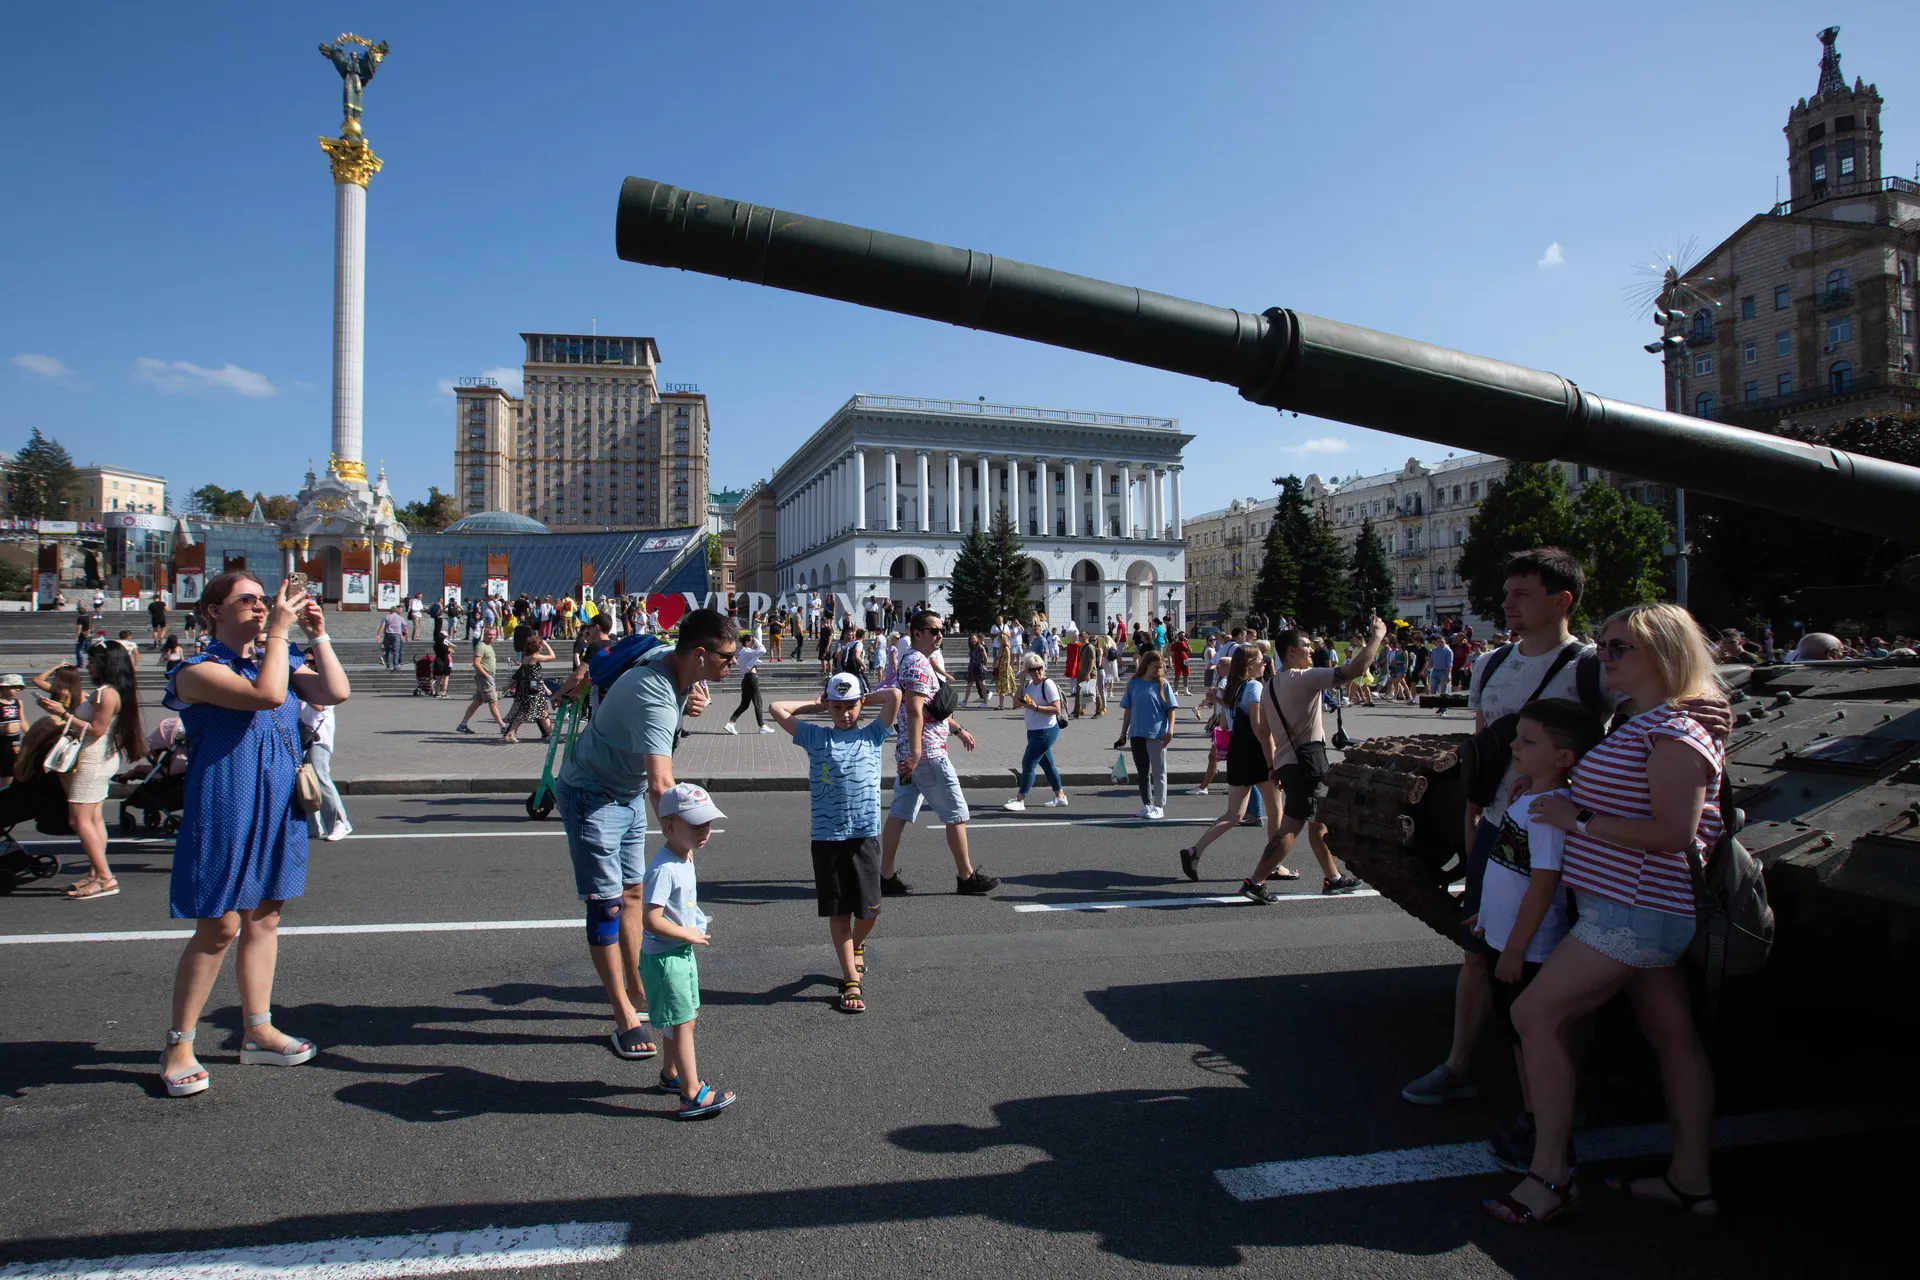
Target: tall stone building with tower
x,y
1808,310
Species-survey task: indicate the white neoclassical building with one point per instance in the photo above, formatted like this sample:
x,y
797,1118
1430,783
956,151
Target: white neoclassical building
x,y
877,500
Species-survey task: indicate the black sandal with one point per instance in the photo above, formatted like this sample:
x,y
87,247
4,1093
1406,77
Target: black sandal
x,y
860,960
1682,1202
851,1000
1567,1195
1190,864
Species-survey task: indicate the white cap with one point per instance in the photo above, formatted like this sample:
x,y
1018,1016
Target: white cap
x,y
12,681
844,687
690,804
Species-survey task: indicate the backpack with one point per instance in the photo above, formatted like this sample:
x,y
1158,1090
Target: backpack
x,y
1734,935
616,659
1487,754
852,661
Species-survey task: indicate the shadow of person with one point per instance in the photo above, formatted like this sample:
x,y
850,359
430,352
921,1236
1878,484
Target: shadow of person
x,y
40,1064
460,1093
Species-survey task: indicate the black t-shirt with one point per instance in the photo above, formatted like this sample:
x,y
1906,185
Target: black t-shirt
x,y
158,612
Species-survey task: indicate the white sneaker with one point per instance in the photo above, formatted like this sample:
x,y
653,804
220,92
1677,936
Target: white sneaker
x,y
1015,805
728,728
1156,813
340,832
766,728
1144,811
1196,791
1058,802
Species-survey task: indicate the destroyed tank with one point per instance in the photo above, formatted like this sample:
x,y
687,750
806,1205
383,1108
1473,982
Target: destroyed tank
x,y
1822,758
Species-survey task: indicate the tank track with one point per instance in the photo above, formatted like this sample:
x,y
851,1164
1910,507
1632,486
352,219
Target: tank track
x,y
1395,813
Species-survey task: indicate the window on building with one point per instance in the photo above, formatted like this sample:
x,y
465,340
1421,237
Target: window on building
x,y
1750,392
1784,385
1456,493
1906,324
1906,362
1840,330
1906,271
1751,352
1702,364
1840,377
1843,153
1783,344
1782,298
1817,161
1746,307
1703,405
1703,323
1837,280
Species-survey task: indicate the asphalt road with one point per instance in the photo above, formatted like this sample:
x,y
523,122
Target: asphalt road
x,y
1033,1092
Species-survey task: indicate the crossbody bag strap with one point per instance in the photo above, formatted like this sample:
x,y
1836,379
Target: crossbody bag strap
x,y
1273,695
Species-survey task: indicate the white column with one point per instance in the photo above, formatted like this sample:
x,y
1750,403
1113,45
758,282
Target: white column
x,y
953,493
926,491
859,488
1073,500
349,318
982,471
1016,496
893,489
1126,500
1155,518
1174,483
1040,476
1099,529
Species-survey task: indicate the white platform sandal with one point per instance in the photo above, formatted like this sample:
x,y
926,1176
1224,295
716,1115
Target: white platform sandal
x,y
296,1052
183,1085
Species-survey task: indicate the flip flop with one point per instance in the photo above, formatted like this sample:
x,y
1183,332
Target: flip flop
x,y
635,1044
1682,1201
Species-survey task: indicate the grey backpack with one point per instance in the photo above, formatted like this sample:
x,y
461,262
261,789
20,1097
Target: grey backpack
x,y
1734,931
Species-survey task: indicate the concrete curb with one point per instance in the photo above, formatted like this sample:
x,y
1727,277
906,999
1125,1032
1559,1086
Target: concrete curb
x,y
504,786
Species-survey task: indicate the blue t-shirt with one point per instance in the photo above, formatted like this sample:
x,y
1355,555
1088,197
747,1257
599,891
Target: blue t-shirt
x,y
1150,702
843,773
1442,659
670,883
637,718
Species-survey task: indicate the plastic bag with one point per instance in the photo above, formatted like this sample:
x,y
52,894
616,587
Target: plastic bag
x,y
1120,767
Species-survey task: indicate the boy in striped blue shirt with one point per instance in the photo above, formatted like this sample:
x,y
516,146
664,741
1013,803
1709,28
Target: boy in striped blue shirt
x,y
843,775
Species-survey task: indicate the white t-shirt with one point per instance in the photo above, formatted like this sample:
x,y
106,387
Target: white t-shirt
x,y
1513,684
1045,693
1524,846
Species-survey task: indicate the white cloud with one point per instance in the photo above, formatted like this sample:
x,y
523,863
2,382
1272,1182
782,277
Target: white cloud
x,y
179,375
1320,444
509,379
1552,257
45,366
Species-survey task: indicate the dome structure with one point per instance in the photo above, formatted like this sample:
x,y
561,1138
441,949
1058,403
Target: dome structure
x,y
496,522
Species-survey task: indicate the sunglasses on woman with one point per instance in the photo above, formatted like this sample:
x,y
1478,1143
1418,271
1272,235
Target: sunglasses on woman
x,y
1611,650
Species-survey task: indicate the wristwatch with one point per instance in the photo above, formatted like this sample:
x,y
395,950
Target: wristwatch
x,y
1581,819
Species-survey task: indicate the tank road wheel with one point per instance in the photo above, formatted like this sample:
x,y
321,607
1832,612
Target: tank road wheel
x,y
540,803
1396,814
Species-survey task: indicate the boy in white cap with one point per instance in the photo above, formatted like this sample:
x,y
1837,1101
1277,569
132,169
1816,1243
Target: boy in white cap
x,y
843,773
674,925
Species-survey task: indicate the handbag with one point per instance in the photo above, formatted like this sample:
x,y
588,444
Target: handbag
x,y
1734,931
65,751
306,779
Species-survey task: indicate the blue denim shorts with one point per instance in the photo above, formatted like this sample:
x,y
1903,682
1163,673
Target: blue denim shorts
x,y
607,839
1642,937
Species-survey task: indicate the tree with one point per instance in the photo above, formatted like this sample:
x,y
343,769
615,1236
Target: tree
x,y
1274,591
39,476
1622,546
221,504
14,578
437,512
277,507
1371,576
1303,568
990,576
1527,508
1324,596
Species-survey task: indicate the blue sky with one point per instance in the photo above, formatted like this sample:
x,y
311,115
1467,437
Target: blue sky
x,y
167,231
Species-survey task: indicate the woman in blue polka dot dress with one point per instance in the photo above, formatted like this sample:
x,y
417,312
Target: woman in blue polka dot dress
x,y
242,849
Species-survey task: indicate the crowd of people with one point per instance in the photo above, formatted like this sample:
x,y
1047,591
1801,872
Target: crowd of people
x,y
1579,870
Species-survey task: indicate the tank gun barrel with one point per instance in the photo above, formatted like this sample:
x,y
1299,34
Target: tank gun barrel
x,y
1281,358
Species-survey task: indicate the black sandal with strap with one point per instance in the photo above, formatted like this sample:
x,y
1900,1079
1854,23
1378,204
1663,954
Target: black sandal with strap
x,y
851,1000
1682,1202
1516,1214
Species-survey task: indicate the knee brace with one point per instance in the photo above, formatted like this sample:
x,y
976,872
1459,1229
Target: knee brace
x,y
603,922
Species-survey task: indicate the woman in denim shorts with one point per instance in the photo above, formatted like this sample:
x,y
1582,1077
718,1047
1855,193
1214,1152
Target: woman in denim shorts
x,y
1641,800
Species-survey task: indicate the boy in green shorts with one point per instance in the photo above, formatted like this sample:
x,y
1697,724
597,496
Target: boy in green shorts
x,y
843,773
674,925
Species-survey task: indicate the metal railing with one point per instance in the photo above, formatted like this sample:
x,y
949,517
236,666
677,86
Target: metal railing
x,y
1869,380
1846,190
982,409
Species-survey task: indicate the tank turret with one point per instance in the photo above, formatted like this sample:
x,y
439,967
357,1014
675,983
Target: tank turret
x,y
1278,357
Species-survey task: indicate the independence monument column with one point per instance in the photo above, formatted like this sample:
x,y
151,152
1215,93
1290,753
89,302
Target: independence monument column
x,y
354,164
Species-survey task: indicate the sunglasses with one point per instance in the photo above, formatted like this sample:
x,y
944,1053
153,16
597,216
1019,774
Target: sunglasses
x,y
938,631
1612,649
246,599
730,657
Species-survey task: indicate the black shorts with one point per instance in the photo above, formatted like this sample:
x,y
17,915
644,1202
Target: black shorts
x,y
846,877
1505,993
1483,837
1301,789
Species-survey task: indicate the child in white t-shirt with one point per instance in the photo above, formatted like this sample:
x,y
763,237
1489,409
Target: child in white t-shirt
x,y
1523,906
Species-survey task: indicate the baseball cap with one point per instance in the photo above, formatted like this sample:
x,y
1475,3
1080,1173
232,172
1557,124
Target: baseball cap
x,y
690,804
844,687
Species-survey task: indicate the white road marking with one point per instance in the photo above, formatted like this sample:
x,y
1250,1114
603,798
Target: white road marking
x,y
1318,1174
362,1258
994,824
423,926
1189,900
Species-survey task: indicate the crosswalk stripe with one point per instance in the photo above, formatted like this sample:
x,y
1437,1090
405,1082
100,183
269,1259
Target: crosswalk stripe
x,y
1186,900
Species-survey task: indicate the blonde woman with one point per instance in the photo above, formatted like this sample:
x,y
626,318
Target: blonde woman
x,y
1041,701
1641,800
1004,684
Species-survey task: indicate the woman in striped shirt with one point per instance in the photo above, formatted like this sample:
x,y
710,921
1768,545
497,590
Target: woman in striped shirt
x,y
1641,799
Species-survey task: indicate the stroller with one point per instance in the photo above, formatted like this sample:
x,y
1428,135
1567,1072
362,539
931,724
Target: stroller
x,y
423,675
160,784
45,802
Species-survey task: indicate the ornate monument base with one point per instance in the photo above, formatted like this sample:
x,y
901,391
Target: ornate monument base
x,y
345,538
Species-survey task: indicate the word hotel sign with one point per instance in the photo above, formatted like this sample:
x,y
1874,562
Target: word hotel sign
x,y
479,382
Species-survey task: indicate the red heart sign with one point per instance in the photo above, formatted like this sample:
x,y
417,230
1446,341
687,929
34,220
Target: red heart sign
x,y
670,609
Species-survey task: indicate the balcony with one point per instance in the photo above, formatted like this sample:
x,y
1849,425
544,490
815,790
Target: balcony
x,y
1851,189
1412,553
1859,386
1834,299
